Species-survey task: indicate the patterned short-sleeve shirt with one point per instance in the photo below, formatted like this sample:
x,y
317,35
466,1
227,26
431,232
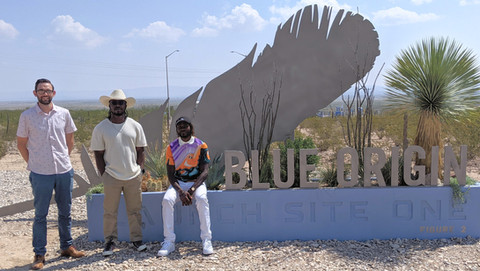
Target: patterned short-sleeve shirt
x,y
47,143
187,157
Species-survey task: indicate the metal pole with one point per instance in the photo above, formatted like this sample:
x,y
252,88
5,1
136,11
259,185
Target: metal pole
x,y
168,90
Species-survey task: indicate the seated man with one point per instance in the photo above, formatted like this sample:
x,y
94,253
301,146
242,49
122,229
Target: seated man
x,y
187,168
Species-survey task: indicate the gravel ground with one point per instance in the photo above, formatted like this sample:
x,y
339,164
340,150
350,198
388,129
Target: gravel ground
x,y
397,254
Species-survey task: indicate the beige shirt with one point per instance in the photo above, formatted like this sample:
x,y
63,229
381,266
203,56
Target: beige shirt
x,y
119,141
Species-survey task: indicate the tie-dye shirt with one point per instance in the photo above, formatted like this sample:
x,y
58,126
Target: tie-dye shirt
x,y
187,157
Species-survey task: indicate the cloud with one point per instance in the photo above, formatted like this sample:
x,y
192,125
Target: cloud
x,y
469,2
242,17
68,32
125,47
280,14
158,31
7,31
397,16
420,2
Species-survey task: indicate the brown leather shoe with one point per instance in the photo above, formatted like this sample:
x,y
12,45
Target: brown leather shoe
x,y
38,262
72,252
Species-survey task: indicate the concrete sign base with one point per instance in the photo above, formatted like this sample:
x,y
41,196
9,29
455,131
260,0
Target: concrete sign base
x,y
310,214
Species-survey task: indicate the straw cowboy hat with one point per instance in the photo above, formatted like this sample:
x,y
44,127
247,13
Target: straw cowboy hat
x,y
117,95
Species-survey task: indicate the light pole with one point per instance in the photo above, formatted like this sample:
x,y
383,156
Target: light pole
x,y
235,52
168,91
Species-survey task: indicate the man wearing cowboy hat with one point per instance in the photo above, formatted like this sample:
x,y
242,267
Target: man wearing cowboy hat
x,y
118,143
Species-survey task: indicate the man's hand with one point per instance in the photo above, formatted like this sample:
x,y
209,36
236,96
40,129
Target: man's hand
x,y
186,198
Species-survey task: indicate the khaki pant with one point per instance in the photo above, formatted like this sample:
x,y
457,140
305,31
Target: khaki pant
x,y
133,201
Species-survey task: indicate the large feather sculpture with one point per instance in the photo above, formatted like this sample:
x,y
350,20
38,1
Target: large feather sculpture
x,y
310,64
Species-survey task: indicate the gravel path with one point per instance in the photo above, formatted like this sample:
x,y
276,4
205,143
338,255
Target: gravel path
x,y
398,254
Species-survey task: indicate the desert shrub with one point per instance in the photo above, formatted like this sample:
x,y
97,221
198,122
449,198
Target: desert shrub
x,y
3,148
8,128
323,131
97,189
387,172
216,172
297,144
390,125
328,176
459,194
465,131
86,120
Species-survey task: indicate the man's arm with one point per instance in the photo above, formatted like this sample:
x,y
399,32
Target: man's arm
x,y
201,178
140,156
100,161
22,147
70,142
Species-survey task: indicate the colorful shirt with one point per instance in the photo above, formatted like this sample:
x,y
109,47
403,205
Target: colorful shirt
x,y
187,157
47,143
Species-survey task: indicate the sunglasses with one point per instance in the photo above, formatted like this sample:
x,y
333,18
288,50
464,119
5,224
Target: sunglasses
x,y
117,102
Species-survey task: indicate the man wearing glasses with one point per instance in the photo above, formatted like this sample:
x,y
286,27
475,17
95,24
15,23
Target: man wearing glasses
x,y
45,141
118,143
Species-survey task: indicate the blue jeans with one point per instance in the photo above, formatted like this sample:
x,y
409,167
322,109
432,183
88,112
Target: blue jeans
x,y
42,187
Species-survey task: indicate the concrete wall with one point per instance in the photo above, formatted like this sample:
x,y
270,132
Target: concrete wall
x,y
310,214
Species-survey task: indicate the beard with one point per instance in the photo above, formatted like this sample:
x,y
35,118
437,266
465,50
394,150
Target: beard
x,y
185,134
118,113
45,100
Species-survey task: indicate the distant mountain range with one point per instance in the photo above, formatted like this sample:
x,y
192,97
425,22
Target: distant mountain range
x,y
144,96
137,93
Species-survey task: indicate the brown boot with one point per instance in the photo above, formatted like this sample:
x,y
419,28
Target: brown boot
x,y
38,262
72,252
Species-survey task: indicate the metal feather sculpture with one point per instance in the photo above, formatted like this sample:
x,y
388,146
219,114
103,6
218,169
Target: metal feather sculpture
x,y
310,64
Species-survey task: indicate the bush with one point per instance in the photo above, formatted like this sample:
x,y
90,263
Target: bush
x,y
387,172
98,189
329,176
297,144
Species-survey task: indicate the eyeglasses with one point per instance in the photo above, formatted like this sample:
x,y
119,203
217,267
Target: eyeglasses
x,y
41,91
118,102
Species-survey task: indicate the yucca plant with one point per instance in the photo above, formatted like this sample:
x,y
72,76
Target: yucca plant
x,y
437,79
216,171
155,162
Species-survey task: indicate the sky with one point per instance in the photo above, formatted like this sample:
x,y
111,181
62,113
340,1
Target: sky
x,y
88,48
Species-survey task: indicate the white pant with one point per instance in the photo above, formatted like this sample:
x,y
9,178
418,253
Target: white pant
x,y
201,201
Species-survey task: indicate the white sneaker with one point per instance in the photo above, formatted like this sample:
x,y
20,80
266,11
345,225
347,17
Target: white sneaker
x,y
167,248
207,247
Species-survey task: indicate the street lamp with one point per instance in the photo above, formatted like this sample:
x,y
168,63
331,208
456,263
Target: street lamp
x,y
235,52
168,91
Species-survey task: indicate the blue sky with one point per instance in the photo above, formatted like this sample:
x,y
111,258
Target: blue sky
x,y
90,47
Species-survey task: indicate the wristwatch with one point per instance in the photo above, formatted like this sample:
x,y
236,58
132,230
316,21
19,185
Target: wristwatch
x,y
192,188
